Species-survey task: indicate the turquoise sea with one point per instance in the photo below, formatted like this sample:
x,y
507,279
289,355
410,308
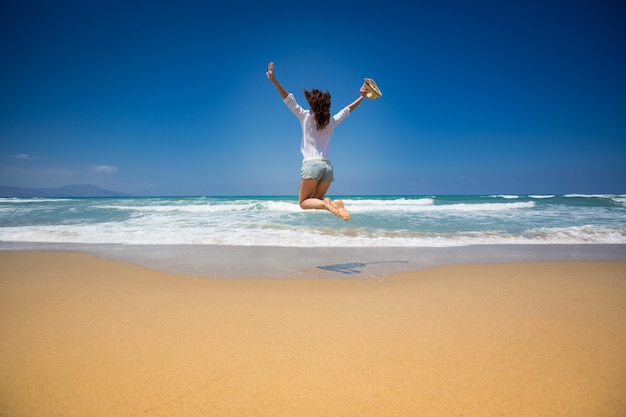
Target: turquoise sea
x,y
377,221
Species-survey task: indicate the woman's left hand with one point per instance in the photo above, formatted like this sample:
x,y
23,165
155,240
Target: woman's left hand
x,y
270,71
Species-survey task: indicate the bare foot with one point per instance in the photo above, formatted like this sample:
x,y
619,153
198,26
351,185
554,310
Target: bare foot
x,y
332,207
343,212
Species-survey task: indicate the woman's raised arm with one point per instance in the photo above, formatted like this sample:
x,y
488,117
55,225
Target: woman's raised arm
x,y
362,94
270,76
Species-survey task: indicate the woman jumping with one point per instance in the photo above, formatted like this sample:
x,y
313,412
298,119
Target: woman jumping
x,y
317,129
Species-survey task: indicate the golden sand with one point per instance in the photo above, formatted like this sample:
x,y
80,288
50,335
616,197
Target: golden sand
x,y
83,336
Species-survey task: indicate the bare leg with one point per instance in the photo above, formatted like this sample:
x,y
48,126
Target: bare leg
x,y
311,197
312,193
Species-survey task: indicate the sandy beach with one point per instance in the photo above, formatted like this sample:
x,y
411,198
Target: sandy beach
x,y
86,336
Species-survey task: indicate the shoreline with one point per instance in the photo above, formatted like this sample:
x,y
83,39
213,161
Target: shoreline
x,y
212,261
84,335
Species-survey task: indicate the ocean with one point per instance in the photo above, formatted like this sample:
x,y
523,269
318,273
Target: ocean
x,y
376,221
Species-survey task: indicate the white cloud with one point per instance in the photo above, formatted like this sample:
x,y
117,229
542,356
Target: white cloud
x,y
23,156
104,169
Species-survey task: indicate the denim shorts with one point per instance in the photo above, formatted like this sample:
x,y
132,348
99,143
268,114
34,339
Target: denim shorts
x,y
317,169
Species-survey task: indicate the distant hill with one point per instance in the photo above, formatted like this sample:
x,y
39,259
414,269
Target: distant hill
x,y
80,190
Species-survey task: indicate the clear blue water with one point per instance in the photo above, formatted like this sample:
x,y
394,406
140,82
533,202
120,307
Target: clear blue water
x,y
389,221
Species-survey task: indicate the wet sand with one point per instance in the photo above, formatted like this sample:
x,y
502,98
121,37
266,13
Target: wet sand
x,y
82,335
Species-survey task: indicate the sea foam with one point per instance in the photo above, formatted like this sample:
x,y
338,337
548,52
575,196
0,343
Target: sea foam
x,y
423,221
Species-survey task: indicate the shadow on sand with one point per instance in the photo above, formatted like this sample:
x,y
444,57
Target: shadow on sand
x,y
354,267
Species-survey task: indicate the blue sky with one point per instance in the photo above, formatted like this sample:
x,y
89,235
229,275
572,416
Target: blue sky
x,y
170,98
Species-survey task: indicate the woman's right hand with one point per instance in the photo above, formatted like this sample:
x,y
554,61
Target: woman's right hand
x,y
363,90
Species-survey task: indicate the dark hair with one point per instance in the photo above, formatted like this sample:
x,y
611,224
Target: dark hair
x,y
320,106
